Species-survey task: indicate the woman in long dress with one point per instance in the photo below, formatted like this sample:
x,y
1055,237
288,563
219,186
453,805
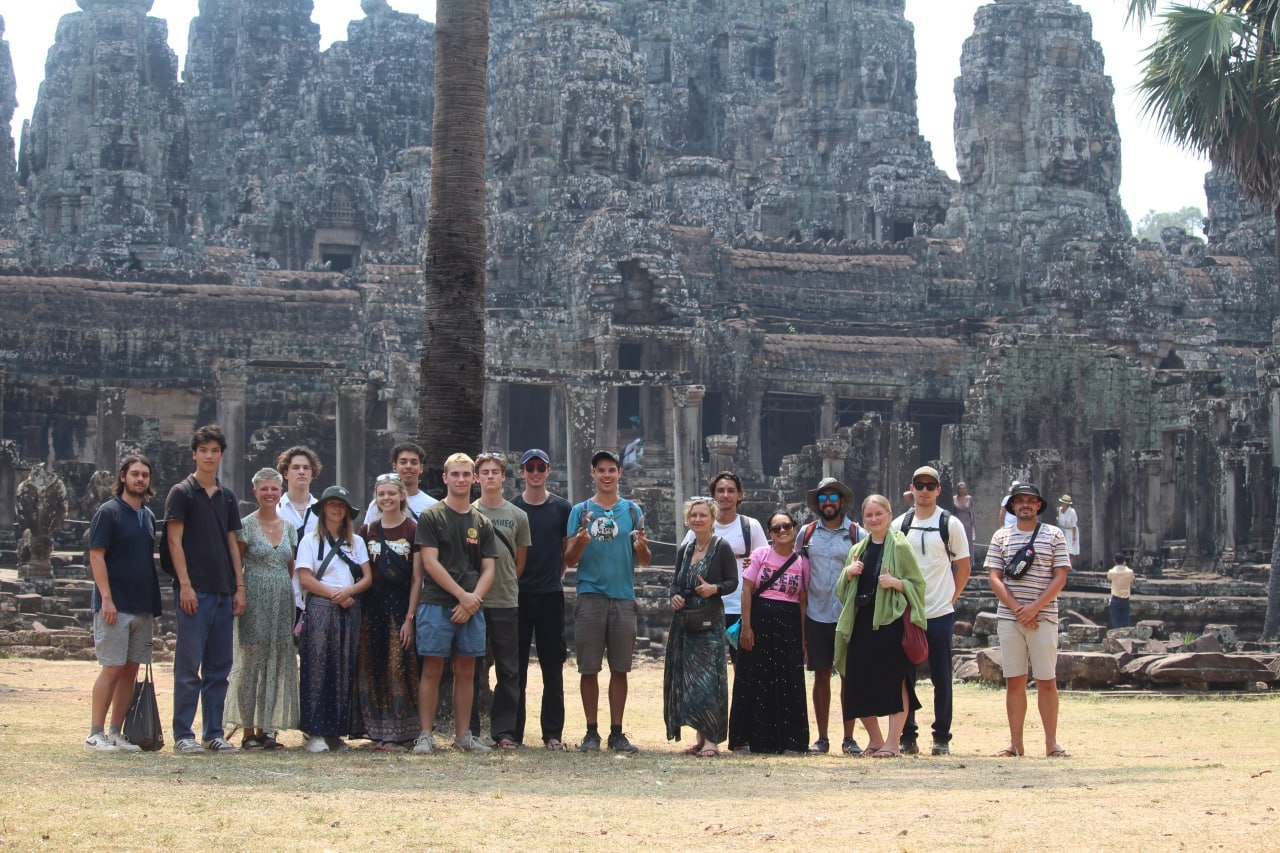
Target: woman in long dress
x,y
963,502
695,680
264,680
333,569
880,579
387,665
770,710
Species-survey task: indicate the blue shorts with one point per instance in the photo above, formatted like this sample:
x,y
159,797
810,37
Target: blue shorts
x,y
440,638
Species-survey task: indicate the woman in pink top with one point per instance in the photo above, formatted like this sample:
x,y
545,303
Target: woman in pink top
x,y
770,712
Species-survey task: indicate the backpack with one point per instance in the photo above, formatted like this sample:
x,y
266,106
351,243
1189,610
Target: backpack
x,y
806,533
302,531
944,529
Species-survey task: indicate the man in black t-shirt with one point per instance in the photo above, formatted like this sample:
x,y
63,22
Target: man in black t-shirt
x,y
542,595
202,518
126,598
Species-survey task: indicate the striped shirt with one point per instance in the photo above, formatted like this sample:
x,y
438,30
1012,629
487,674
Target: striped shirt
x,y
1051,550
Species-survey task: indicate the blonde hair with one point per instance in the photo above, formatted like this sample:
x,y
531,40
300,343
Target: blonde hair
x,y
692,502
459,459
392,480
265,474
878,499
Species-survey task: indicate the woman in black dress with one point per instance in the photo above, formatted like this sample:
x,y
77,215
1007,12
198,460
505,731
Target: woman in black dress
x,y
880,579
695,680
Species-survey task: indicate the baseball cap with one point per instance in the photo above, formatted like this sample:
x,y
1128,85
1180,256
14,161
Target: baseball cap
x,y
535,453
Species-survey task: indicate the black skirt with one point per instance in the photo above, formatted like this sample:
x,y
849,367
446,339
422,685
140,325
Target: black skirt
x,y
770,711
875,670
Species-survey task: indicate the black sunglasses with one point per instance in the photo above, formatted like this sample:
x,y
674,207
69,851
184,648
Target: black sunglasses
x,y
781,528
536,467
924,487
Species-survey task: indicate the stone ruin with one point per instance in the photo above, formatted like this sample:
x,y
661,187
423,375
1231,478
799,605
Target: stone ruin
x,y
713,226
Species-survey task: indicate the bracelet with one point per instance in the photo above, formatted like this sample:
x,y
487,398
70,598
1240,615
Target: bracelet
x,y
408,617
240,586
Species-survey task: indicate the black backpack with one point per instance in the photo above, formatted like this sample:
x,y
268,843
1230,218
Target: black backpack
x,y
944,529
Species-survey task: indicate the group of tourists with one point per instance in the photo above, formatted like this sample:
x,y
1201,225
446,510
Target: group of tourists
x,y
300,616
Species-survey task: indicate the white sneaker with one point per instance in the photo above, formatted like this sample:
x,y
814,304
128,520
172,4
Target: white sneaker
x,y
99,742
222,746
471,743
122,743
188,746
425,744
317,744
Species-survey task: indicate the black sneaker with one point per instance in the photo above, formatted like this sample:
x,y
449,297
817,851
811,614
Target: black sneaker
x,y
618,743
590,743
850,747
821,746
909,747
941,748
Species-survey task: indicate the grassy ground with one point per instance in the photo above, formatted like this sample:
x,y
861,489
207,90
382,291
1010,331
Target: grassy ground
x,y
1147,774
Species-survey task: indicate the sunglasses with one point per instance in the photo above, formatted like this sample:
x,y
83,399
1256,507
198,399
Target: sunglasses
x,y
491,456
388,478
537,467
781,528
829,499
924,487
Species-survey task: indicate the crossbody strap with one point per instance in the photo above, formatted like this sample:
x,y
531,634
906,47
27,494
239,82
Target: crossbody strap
x,y
774,577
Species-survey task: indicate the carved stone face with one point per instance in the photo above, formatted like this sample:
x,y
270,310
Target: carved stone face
x,y
879,80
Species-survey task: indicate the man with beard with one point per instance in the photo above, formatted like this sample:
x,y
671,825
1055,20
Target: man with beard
x,y
826,542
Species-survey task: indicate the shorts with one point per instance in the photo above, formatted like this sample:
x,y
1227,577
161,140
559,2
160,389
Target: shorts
x,y
1020,645
439,637
127,641
820,643
601,623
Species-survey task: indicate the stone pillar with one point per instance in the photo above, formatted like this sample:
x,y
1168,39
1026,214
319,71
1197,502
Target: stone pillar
x,y
352,395
903,456
1232,487
582,414
827,416
834,452
755,411
111,403
230,383
8,484
686,434
494,433
722,449
1150,465
1108,481
390,397
556,428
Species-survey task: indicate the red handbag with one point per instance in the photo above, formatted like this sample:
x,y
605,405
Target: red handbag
x,y
914,642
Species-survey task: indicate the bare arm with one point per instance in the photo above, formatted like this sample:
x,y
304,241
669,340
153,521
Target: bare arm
x,y
98,564
238,600
961,571
522,554
187,600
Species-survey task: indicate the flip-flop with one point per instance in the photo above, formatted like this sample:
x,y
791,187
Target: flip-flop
x,y
506,743
692,750
1007,752
870,751
1058,752
886,753
554,745
708,752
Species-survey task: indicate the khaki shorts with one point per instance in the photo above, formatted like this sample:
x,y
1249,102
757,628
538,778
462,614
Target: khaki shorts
x,y
601,623
1021,646
129,640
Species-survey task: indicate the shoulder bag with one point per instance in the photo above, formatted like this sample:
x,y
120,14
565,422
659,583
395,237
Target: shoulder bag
x,y
734,631
142,721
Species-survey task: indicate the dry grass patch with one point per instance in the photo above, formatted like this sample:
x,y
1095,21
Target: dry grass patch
x,y
1148,773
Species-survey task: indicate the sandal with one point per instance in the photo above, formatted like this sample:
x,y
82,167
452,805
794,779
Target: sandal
x,y
253,742
886,753
870,751
708,751
692,750
388,746
506,743
554,745
1058,752
269,744
1007,752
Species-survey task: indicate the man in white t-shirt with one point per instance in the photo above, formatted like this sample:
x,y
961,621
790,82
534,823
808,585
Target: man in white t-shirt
x,y
407,460
943,556
726,490
299,465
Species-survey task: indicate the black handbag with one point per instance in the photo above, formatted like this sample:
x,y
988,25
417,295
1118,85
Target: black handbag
x,y
698,614
142,721
395,568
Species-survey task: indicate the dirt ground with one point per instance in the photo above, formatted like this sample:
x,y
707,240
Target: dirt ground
x,y
1147,773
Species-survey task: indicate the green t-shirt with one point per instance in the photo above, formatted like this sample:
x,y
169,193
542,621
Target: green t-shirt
x,y
512,523
462,539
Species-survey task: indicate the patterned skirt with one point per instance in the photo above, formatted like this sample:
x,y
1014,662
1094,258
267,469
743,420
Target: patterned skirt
x,y
695,680
770,710
330,637
263,691
386,672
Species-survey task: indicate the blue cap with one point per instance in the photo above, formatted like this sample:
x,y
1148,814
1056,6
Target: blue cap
x,y
534,454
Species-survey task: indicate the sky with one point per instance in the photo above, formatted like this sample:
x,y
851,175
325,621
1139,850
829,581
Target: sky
x,y
1156,175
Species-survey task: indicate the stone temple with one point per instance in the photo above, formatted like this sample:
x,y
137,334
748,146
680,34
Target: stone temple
x,y
713,224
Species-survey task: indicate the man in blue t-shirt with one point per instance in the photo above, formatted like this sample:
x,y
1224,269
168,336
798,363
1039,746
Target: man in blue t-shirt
x,y
606,539
126,599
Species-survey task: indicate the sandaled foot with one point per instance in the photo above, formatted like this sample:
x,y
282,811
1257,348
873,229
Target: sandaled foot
x,y
692,750
871,750
886,753
554,744
1058,752
253,742
1008,752
708,751
506,743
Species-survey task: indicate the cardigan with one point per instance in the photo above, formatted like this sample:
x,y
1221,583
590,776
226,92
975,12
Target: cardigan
x,y
899,562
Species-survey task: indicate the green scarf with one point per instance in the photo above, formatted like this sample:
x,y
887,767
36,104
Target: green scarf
x,y
898,561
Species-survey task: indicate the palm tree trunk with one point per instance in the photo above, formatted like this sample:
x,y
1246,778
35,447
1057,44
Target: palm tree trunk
x,y
451,387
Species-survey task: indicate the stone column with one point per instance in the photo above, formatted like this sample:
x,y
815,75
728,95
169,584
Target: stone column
x,y
494,433
110,427
686,437
903,458
556,428
582,414
8,483
827,416
352,395
1108,482
834,452
755,411
1150,465
722,449
230,383
1233,467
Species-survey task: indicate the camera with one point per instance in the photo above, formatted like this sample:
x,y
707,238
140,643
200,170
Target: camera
x,y
864,599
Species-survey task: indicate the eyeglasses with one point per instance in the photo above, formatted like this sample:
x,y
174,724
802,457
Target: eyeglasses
x,y
924,487
829,499
782,528
388,478
537,467
491,455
